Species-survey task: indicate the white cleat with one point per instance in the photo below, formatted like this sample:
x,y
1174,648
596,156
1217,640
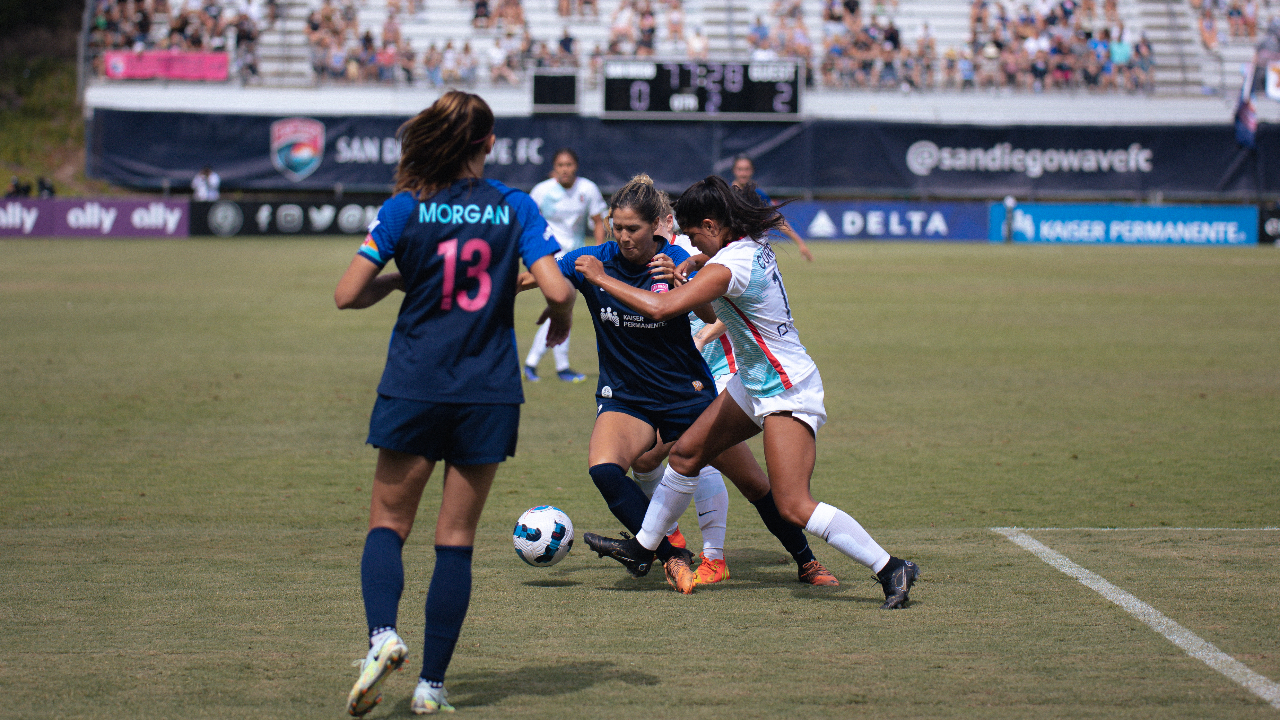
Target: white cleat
x,y
429,701
383,659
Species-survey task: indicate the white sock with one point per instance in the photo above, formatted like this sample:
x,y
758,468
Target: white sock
x,y
381,636
648,482
539,346
669,502
844,533
561,353
711,500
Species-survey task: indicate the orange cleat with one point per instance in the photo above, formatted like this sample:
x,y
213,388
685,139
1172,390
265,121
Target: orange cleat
x,y
711,571
813,573
677,539
679,573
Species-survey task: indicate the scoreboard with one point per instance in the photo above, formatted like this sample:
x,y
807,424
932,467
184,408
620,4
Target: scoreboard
x,y
636,88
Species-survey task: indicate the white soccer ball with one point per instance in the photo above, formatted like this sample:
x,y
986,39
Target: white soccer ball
x,y
543,536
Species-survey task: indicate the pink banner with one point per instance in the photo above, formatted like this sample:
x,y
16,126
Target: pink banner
x,y
149,64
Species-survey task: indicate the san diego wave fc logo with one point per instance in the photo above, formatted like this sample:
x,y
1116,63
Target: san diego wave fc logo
x,y
533,535
297,146
608,314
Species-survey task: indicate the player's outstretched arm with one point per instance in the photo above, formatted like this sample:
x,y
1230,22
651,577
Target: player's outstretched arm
x,y
709,284
362,285
799,241
709,333
559,295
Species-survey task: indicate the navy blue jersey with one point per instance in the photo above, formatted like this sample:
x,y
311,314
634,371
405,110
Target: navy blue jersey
x,y
454,340
651,364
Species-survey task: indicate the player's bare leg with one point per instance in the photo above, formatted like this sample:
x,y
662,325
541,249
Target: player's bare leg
x,y
790,452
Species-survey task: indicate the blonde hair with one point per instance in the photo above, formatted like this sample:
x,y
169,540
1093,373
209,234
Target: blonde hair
x,y
437,144
639,194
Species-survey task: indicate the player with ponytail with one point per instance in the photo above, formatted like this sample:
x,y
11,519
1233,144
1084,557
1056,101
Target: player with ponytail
x,y
450,389
653,384
777,388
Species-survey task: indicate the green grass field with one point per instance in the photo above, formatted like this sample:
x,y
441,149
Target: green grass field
x,y
183,493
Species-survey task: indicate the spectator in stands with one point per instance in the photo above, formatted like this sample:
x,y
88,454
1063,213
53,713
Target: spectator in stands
x,y
697,44
432,66
675,22
510,14
482,18
205,185
622,26
391,29
468,65
449,64
386,62
1039,70
1208,30
1121,51
589,7
1142,73
646,30
759,32
18,189
45,189
502,65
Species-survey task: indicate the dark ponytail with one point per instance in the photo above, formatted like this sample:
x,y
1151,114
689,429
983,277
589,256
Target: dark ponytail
x,y
715,199
438,143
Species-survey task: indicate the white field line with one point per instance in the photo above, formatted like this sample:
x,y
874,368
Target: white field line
x,y
1144,529
1194,645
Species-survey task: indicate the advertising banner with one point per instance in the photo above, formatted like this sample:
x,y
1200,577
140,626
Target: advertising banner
x,y
230,219
151,64
1126,224
858,158
1269,223
887,220
101,217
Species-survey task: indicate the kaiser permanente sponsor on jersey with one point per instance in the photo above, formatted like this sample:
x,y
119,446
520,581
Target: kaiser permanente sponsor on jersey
x,y
924,156
1128,224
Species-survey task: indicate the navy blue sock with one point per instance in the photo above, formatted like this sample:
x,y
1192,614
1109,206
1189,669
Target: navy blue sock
x,y
626,500
381,577
447,601
791,537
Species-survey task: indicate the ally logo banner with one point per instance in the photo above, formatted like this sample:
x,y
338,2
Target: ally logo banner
x,y
887,220
1128,224
297,146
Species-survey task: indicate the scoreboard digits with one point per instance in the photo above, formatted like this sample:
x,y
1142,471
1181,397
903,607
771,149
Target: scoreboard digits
x,y
702,90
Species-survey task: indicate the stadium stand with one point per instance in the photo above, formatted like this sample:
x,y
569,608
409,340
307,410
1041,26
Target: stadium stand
x,y
1165,47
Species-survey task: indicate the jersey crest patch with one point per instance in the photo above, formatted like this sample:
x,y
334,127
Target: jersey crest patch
x,y
697,385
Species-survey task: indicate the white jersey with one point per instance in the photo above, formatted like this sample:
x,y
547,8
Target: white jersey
x,y
567,209
766,345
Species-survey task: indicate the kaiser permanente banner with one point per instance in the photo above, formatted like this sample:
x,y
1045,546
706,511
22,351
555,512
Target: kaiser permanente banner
x,y
252,152
1123,224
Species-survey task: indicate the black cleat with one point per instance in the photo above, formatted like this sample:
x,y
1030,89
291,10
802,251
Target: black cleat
x,y
636,558
896,579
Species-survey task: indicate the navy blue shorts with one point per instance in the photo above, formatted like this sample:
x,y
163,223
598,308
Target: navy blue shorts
x,y
670,423
458,433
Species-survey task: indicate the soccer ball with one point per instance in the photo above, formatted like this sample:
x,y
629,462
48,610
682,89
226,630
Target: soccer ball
x,y
543,536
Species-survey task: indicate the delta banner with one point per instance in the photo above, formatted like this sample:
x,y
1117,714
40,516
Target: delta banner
x,y
165,65
887,220
827,157
93,218
1130,225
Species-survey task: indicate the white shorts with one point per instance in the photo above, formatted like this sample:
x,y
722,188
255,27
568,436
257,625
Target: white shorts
x,y
722,381
803,400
